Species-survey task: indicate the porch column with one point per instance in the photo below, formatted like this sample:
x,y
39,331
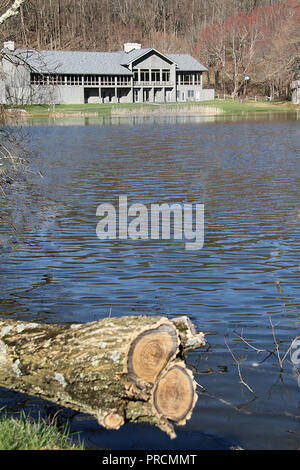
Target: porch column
x,y
151,95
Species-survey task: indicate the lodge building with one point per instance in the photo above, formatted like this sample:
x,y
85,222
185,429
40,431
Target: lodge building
x,y
134,75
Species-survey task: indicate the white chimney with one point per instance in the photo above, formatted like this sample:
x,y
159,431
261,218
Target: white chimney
x,y
10,45
130,46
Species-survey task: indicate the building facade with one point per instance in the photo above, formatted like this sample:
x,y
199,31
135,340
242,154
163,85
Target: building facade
x,y
134,75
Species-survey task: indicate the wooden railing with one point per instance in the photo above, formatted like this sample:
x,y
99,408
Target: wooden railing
x,y
151,84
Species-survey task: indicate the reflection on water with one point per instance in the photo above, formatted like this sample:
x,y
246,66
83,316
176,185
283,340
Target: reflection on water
x,y
175,119
246,172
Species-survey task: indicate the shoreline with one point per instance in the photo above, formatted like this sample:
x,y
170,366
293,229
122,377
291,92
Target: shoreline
x,y
204,108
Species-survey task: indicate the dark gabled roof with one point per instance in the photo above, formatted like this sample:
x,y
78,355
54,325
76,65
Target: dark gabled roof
x,y
94,63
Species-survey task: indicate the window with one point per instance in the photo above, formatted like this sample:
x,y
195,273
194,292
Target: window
x,y
185,78
72,80
191,94
36,79
91,80
198,79
55,79
123,80
79,80
144,75
107,80
166,75
155,75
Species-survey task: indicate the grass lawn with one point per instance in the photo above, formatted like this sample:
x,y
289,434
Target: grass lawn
x,y
22,433
227,107
74,109
237,107
247,106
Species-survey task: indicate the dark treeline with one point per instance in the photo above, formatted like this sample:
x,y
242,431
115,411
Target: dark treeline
x,y
191,26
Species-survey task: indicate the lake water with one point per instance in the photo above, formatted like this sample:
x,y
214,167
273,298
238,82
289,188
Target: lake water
x,y
247,174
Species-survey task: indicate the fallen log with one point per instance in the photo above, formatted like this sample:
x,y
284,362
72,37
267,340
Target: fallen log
x,y
116,369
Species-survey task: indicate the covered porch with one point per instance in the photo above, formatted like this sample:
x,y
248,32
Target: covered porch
x,y
107,95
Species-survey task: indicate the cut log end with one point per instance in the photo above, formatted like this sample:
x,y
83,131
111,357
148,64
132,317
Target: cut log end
x,y
151,351
154,364
174,396
111,420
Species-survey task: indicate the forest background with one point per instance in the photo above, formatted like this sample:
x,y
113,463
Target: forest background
x,y
234,39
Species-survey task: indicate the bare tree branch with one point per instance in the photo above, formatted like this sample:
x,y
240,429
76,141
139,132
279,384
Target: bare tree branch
x,y
238,363
12,11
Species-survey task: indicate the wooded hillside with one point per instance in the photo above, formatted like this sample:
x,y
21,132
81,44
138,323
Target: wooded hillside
x,y
234,38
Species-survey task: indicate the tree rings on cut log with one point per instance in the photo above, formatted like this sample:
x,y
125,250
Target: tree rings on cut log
x,y
174,396
151,351
111,420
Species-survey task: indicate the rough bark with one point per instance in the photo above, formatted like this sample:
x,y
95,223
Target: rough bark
x,y
116,369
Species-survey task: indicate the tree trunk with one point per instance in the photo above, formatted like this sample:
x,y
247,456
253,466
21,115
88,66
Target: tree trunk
x,y
116,369
12,11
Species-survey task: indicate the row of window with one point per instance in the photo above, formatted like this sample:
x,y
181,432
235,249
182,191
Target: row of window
x,y
98,80
164,76
153,75
189,79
